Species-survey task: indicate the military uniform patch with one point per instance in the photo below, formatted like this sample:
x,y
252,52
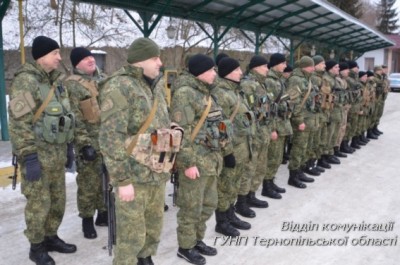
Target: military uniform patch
x,y
22,104
178,116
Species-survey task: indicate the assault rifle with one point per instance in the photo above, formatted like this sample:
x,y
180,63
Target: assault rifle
x,y
15,175
175,182
109,200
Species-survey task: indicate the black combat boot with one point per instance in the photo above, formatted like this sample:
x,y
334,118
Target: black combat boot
x,y
331,159
294,181
269,191
302,177
323,163
252,201
102,218
345,148
363,138
376,130
191,255
223,226
145,261
310,169
235,221
354,143
277,188
38,254
242,208
88,228
54,243
361,141
371,135
318,168
203,249
338,153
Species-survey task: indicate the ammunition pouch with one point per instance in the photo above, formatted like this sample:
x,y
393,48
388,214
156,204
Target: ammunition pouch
x,y
157,150
90,109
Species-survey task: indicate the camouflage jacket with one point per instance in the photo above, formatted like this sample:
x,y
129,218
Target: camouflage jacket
x,y
28,78
126,99
86,133
354,92
380,85
277,91
188,103
298,87
230,98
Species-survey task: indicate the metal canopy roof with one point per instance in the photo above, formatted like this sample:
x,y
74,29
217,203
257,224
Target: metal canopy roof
x,y
311,20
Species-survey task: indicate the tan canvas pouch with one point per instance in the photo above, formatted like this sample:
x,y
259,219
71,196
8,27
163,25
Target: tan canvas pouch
x,y
22,104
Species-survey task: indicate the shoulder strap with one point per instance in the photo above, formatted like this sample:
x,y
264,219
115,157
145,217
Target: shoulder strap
x,y
143,128
201,121
235,111
44,105
307,94
89,85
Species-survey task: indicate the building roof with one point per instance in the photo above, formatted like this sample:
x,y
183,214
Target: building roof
x,y
394,38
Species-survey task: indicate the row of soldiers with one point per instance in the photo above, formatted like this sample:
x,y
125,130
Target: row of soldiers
x,y
224,135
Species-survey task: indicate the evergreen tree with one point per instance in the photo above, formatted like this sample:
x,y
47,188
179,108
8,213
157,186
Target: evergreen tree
x,y
351,7
387,17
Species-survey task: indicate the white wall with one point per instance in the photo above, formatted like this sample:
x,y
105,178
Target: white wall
x,y
378,56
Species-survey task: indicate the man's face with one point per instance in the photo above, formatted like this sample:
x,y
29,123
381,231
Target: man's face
x,y
363,78
385,70
309,69
344,73
87,65
151,67
335,70
355,70
262,69
280,67
235,75
320,67
50,61
208,76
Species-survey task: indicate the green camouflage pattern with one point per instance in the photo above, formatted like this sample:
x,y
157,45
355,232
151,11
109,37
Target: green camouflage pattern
x,y
90,194
227,94
197,199
45,205
126,99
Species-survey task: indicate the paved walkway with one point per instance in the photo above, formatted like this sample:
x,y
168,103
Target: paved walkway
x,y
338,211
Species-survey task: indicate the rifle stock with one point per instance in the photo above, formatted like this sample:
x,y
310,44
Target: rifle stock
x,y
109,200
175,182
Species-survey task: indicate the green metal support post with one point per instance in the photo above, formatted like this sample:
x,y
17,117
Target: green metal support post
x,y
3,108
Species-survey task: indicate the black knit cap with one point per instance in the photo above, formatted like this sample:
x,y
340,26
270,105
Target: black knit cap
x,y
361,74
343,66
276,59
219,57
200,63
43,45
288,69
330,64
352,64
370,73
257,60
78,54
226,66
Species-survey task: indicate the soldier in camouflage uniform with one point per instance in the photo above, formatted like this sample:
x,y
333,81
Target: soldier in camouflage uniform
x,y
365,104
300,90
200,161
343,136
135,142
382,90
372,106
41,144
236,155
288,141
281,125
253,86
82,87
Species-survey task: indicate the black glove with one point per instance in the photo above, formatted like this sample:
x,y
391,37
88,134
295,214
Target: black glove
x,y
70,156
229,161
32,165
88,153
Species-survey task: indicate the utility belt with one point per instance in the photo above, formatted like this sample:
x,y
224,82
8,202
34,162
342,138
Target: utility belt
x,y
157,150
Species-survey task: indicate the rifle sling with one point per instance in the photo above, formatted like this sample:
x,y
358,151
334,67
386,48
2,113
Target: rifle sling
x,y
306,96
201,121
44,105
143,128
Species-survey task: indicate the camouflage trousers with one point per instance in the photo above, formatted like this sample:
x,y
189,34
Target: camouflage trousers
x,y
197,201
299,149
139,223
228,183
45,204
313,144
343,126
379,108
275,156
259,163
90,194
352,125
